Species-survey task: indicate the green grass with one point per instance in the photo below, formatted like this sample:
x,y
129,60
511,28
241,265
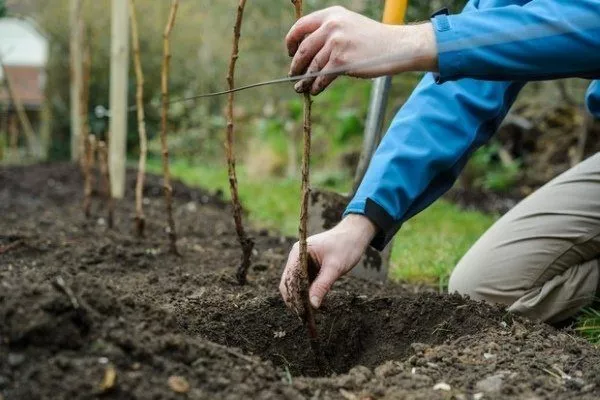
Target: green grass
x,y
588,325
425,250
429,245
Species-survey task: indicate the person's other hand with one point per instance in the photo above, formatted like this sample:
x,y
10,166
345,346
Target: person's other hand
x,y
336,37
335,252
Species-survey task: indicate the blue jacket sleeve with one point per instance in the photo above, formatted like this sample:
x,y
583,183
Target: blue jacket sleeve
x,y
426,147
537,40
495,46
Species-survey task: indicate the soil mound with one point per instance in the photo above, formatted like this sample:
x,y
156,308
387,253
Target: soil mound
x,y
88,312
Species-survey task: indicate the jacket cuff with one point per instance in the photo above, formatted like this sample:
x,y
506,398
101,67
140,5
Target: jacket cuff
x,y
385,223
449,55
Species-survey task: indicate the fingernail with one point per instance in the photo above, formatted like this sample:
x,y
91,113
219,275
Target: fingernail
x,y
298,87
315,301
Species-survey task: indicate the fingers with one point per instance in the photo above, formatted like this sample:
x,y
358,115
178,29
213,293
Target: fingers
x,y
322,82
285,286
309,47
305,26
322,285
318,63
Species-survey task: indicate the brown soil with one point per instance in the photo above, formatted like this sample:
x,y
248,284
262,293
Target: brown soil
x,y
78,300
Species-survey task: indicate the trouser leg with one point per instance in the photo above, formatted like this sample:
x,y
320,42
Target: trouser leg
x,y
541,258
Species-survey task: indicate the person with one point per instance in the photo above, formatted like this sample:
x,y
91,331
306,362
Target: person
x,y
541,259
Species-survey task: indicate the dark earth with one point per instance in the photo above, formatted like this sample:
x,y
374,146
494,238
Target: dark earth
x,y
87,312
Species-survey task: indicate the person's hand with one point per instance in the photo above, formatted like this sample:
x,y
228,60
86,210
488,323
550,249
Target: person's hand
x,y
336,37
335,252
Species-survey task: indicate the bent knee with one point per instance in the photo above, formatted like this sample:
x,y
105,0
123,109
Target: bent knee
x,y
479,286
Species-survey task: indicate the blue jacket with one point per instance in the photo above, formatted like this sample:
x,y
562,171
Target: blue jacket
x,y
486,55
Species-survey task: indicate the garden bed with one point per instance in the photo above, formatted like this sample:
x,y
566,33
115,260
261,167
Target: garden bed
x,y
81,304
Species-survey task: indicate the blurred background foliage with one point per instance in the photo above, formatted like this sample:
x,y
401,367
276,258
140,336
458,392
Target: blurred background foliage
x,y
268,119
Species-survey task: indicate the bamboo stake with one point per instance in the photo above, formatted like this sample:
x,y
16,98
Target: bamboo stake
x,y
88,167
246,243
105,172
163,134
140,219
309,317
84,97
87,142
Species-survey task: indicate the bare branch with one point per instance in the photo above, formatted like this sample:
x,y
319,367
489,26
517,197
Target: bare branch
x,y
163,133
246,243
140,219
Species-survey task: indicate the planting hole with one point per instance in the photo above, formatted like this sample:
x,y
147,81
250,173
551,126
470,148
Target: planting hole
x,y
353,331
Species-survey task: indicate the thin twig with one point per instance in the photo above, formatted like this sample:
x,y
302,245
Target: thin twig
x,y
139,74
11,246
61,285
163,134
105,172
303,229
88,159
245,242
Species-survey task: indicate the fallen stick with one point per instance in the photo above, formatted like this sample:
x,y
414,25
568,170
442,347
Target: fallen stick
x,y
11,246
163,132
140,219
246,243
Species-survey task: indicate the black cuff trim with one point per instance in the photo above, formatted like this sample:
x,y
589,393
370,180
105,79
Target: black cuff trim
x,y
441,11
384,221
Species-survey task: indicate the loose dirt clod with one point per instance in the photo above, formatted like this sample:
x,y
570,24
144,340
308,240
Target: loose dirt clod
x,y
246,243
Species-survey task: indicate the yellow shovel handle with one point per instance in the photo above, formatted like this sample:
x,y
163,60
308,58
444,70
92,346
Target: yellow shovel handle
x,y
395,12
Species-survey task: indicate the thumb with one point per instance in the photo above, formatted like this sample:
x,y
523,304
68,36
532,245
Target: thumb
x,y
322,284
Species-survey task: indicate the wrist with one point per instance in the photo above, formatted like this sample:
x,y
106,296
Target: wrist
x,y
418,43
424,47
360,227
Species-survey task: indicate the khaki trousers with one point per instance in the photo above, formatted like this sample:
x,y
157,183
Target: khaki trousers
x,y
541,258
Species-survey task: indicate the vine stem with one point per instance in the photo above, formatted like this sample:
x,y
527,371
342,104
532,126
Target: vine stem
x,y
305,259
105,173
140,219
168,189
246,243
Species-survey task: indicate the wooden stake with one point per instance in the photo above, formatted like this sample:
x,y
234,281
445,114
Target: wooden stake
x,y
88,165
140,219
76,59
119,84
84,98
309,317
105,172
163,133
246,243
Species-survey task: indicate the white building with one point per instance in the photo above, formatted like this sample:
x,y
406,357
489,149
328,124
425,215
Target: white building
x,y
24,53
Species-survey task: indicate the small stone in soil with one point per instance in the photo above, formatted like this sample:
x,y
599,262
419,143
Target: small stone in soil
x,y
179,384
15,359
491,384
442,386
